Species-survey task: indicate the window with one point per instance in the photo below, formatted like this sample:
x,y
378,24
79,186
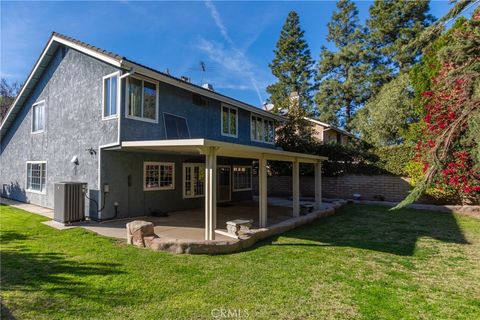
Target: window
x,y
38,117
242,178
158,176
229,121
36,176
193,180
142,100
262,130
110,95
175,127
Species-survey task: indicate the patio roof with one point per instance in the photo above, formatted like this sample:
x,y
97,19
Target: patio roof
x,y
202,146
213,149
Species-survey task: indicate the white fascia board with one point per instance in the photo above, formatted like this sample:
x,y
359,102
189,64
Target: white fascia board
x,y
323,124
27,82
67,43
228,149
88,51
165,143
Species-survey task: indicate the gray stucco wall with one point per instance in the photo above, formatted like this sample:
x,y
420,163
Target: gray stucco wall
x,y
132,200
72,89
203,121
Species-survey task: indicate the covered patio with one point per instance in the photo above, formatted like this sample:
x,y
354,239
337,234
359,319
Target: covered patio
x,y
189,225
212,222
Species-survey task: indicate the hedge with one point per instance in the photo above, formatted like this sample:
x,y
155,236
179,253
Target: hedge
x,y
357,158
363,159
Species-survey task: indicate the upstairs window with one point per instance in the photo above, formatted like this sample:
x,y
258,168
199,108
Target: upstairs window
x,y
229,121
176,127
36,176
262,130
110,95
38,117
158,176
142,99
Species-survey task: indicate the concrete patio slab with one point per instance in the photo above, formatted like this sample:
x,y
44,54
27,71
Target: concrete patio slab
x,y
184,231
190,224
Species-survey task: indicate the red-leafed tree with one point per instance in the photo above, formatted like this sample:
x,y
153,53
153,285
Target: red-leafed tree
x,y
449,149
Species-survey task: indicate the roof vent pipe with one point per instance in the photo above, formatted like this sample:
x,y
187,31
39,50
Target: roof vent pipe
x,y
208,86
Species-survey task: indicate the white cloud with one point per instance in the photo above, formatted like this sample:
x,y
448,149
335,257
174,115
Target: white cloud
x,y
218,20
230,58
233,61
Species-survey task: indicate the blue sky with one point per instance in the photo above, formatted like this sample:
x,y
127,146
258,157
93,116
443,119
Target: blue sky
x,y
234,39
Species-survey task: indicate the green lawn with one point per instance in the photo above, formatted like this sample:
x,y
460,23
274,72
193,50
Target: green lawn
x,y
365,262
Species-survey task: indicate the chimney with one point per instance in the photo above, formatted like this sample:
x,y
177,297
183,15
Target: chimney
x,y
294,100
294,96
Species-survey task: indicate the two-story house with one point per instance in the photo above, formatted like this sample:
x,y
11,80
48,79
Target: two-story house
x,y
141,139
326,133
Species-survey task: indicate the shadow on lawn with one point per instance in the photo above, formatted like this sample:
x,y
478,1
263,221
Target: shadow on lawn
x,y
53,275
376,228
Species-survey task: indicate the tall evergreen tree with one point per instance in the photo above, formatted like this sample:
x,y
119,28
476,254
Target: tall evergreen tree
x,y
292,66
393,24
342,75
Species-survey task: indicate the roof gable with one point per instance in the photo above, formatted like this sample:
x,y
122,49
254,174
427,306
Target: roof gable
x,y
57,39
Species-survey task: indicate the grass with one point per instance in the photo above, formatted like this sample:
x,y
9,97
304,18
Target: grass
x,y
365,263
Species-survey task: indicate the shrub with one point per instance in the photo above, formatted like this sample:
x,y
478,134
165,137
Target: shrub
x,y
362,158
393,159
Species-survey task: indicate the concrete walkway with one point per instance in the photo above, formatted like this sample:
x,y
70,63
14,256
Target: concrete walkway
x,y
46,212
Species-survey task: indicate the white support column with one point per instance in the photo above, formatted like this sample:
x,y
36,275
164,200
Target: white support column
x,y
214,190
318,185
210,194
262,191
296,188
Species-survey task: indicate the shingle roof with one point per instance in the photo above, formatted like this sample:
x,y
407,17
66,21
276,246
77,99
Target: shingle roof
x,y
89,46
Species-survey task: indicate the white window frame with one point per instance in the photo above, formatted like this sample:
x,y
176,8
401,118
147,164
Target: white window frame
x,y
229,107
119,81
35,105
233,178
264,121
191,165
26,177
175,115
172,187
127,100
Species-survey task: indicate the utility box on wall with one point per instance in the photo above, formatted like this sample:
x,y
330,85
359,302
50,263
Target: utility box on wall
x,y
69,202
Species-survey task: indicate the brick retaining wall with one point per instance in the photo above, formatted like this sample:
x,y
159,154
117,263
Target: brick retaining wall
x,y
391,188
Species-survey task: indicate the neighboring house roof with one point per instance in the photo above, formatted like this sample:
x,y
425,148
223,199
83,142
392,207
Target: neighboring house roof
x,y
330,127
114,59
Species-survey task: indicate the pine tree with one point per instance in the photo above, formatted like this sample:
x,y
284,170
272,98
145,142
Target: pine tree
x,y
342,75
393,24
292,66
296,133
